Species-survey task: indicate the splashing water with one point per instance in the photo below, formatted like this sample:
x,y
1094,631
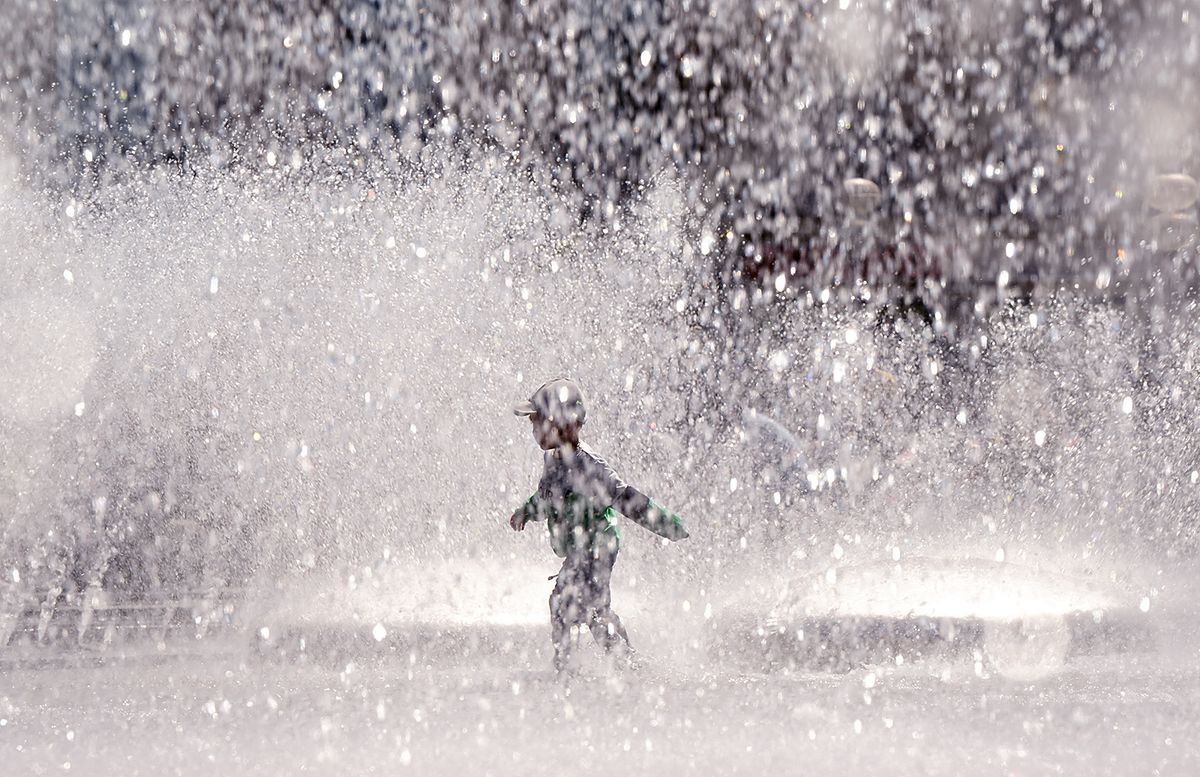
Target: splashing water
x,y
894,303
215,377
302,373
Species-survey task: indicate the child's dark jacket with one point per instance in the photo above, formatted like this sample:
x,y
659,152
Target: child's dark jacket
x,y
579,496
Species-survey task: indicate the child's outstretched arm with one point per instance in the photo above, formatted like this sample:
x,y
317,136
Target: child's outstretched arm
x,y
646,512
524,514
635,505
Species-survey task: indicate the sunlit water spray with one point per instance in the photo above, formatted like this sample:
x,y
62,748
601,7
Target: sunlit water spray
x,y
221,381
318,371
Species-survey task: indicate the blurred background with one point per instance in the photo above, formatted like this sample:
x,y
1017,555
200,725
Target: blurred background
x,y
1021,137
837,277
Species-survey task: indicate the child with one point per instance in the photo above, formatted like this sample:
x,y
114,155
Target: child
x,y
579,496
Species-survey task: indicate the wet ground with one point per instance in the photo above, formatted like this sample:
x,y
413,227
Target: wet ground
x,y
1132,714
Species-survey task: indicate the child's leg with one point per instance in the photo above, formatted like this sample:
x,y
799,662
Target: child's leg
x,y
604,624
566,609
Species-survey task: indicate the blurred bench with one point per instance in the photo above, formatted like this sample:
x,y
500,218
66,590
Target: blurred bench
x,y
99,619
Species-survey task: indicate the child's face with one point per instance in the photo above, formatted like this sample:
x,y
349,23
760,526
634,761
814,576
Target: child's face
x,y
547,434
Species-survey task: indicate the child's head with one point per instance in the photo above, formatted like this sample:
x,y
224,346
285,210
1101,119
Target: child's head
x,y
556,413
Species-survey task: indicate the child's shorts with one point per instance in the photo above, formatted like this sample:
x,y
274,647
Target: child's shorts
x,y
582,588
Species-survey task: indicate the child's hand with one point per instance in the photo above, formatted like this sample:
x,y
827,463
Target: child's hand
x,y
517,520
